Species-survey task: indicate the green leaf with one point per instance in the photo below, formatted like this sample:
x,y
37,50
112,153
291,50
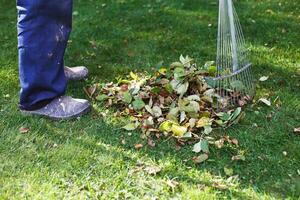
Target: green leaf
x,y
157,112
155,90
201,146
169,88
173,114
207,130
127,97
180,88
236,113
138,104
102,97
176,64
130,127
163,70
224,116
212,70
228,171
179,73
237,85
149,109
208,64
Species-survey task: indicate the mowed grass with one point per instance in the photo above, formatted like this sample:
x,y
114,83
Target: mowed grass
x,y
85,158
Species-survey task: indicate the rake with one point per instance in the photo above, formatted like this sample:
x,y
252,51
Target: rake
x,y
233,82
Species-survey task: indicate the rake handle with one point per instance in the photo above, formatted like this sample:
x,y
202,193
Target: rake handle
x,y
233,36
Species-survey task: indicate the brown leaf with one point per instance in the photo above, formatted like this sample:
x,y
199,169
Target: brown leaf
x,y
178,146
219,143
138,146
24,130
151,143
90,91
235,142
172,184
219,186
200,159
238,157
124,87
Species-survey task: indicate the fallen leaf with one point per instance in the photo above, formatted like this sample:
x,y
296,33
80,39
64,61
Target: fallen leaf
x,y
138,104
130,127
204,121
127,97
228,171
178,130
263,78
166,126
90,91
297,130
201,146
265,101
151,143
219,143
235,142
152,170
172,184
220,186
200,159
24,130
238,157
138,146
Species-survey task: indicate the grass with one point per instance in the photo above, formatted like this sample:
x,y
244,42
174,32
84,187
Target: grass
x,y
85,159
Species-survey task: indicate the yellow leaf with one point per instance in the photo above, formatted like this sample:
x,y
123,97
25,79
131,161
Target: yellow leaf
x,y
166,126
133,76
178,130
204,121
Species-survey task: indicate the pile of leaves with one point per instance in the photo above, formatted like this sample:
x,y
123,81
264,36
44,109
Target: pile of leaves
x,y
175,101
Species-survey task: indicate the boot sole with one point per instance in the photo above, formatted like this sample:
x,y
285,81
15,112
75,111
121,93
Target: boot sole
x,y
81,113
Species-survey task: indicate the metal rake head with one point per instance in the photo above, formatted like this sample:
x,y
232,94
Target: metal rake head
x,y
234,81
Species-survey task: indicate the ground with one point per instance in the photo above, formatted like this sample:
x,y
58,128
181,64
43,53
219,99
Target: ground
x,y
85,159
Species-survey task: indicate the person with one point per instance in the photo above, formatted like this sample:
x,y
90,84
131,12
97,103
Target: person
x,y
44,27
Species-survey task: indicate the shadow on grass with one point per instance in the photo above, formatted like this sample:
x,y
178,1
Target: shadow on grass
x,y
118,37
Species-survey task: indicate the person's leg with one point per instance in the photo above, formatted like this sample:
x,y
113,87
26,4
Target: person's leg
x,y
43,31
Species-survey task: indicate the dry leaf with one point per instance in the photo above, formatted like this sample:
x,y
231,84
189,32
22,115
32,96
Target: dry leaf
x,y
151,143
90,91
138,146
24,130
152,170
238,157
219,143
235,142
263,78
297,130
200,159
219,186
172,184
265,101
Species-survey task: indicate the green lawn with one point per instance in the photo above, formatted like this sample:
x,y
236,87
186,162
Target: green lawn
x,y
85,159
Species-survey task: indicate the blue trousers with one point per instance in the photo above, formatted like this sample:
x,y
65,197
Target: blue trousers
x,y
44,27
